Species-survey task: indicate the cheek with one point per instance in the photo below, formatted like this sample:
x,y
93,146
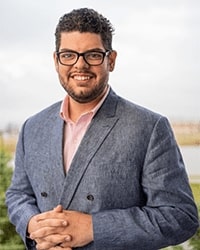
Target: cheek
x,y
62,71
103,76
104,70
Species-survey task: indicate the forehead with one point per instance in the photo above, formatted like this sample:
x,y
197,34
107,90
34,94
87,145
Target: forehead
x,y
80,41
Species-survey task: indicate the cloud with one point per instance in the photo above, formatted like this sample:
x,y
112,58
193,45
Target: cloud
x,y
158,55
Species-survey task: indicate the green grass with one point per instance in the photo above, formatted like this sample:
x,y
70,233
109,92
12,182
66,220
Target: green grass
x,y
196,192
11,247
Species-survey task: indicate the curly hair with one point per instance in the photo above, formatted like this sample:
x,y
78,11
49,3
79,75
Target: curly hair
x,y
85,20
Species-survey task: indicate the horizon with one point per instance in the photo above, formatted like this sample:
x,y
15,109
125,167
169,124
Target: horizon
x,y
157,65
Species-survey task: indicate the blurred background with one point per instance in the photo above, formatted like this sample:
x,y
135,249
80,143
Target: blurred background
x,y
158,45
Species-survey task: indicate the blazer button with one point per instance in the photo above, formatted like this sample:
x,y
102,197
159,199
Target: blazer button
x,y
44,194
90,197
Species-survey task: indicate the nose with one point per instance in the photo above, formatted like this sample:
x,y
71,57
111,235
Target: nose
x,y
81,63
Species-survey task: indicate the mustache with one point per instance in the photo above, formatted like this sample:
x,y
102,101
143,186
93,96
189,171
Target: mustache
x,y
84,72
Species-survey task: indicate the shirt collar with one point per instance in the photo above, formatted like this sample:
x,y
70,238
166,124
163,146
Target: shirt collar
x,y
64,111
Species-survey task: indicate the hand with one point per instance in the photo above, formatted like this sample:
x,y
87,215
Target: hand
x,y
59,247
49,225
61,227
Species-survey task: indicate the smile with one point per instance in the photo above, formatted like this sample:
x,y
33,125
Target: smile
x,y
81,78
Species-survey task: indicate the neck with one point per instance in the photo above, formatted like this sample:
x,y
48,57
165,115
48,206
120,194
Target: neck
x,y
76,109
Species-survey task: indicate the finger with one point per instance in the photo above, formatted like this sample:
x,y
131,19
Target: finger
x,y
49,215
44,245
53,240
60,248
58,239
59,209
42,233
52,228
52,223
64,245
47,227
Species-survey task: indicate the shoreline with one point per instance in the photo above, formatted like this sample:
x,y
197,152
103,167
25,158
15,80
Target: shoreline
x,y
194,179
187,133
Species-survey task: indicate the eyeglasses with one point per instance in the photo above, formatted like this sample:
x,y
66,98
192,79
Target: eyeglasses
x,y
93,58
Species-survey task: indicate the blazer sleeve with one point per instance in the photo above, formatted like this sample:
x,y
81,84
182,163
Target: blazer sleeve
x,y
169,216
20,198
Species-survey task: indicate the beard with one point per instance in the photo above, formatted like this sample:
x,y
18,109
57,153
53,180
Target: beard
x,y
86,93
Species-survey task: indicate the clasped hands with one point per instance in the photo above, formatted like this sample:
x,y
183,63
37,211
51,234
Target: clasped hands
x,y
60,229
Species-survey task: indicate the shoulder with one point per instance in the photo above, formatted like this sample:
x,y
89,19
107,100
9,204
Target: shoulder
x,y
132,115
44,117
127,108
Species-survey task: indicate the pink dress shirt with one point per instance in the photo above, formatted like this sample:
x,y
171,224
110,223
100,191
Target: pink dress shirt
x,y
74,131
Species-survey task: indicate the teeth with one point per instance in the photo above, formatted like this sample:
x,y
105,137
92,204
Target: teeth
x,y
81,78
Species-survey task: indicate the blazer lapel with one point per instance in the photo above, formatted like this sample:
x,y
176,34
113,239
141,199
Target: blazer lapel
x,y
56,156
99,129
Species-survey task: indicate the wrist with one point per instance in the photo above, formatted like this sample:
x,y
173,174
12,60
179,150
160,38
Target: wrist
x,y
32,225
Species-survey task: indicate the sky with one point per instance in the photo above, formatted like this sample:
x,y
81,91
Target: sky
x,y
158,63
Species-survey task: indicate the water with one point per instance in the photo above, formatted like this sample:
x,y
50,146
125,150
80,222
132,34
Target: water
x,y
191,156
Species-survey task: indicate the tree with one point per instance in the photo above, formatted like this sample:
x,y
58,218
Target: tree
x,y
195,240
9,239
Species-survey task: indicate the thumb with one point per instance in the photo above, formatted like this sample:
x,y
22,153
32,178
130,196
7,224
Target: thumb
x,y
58,209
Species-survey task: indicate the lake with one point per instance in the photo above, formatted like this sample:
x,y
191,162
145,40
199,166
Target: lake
x,y
191,156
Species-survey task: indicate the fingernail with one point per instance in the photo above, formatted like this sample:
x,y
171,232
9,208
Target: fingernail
x,y
64,223
68,238
31,236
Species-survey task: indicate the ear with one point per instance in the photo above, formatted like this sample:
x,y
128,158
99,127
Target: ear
x,y
55,61
112,59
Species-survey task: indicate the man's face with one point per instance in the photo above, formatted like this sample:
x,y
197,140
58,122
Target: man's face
x,y
84,83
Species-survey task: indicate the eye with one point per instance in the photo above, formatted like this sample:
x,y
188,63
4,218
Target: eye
x,y
67,55
94,56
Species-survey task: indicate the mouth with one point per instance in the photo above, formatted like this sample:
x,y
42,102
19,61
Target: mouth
x,y
81,77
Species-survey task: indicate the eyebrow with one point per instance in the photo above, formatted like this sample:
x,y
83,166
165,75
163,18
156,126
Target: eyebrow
x,y
71,50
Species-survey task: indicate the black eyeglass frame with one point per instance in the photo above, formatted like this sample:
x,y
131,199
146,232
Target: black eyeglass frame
x,y
104,53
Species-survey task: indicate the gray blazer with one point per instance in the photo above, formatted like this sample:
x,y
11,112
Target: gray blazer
x,y
128,173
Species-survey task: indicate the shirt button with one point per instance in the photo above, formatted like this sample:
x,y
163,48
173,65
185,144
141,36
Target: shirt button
x,y
44,194
90,197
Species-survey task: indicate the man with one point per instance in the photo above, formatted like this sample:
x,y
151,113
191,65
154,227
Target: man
x,y
96,171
